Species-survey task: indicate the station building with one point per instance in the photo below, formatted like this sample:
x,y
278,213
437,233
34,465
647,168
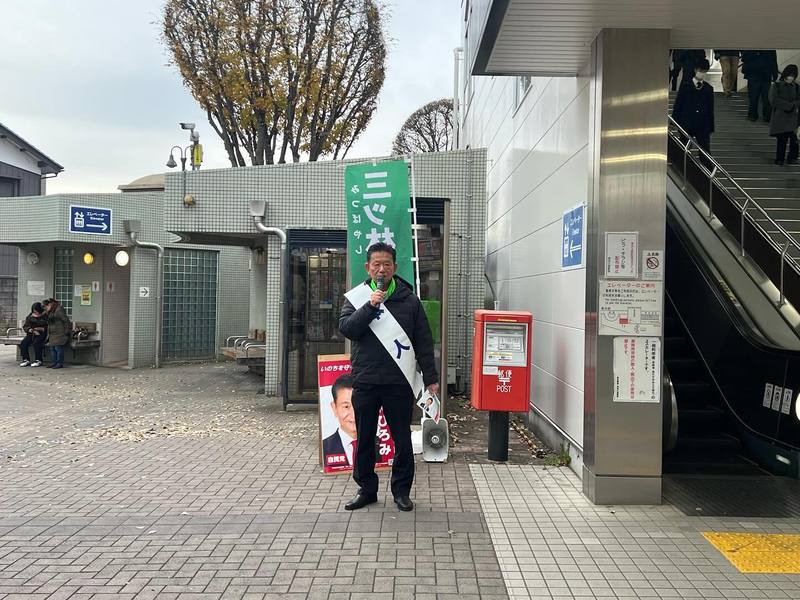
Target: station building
x,y
571,101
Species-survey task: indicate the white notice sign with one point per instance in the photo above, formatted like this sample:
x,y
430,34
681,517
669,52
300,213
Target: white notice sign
x,y
637,369
630,307
787,401
144,292
767,396
622,251
35,288
653,265
777,396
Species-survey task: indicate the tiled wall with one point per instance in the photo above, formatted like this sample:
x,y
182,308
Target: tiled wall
x,y
116,303
40,223
311,196
537,144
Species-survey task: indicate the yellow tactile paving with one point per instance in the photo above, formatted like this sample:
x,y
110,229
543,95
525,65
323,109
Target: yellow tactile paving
x,y
758,552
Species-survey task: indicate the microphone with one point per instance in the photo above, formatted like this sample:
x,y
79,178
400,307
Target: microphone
x,y
379,282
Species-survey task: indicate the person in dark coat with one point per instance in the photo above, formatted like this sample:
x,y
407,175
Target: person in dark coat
x,y
685,61
378,380
760,68
35,328
694,107
784,95
729,63
58,331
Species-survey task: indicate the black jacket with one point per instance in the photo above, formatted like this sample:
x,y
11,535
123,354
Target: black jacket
x,y
32,322
371,363
694,109
760,64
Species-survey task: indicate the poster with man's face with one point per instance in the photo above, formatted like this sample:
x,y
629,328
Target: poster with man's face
x,y
338,436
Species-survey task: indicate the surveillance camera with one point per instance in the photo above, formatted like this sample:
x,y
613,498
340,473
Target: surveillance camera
x,y
189,126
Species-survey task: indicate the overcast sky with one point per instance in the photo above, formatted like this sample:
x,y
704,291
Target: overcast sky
x,y
87,82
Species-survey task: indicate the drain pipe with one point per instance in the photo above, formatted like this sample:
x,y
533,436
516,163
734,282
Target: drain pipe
x,y
132,228
258,210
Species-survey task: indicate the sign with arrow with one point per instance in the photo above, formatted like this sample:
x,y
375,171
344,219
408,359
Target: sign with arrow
x,y
572,239
89,219
144,292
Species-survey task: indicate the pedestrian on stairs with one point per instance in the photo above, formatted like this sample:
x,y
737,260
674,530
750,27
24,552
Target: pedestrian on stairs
x,y
729,62
760,68
784,96
694,107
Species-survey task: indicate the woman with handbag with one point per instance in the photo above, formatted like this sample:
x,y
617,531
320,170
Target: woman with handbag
x,y
784,95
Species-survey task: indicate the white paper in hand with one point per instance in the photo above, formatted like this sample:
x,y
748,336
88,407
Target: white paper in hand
x,y
430,405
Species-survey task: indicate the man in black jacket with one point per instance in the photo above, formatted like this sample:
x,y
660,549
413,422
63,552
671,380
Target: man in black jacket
x,y
760,68
694,107
378,380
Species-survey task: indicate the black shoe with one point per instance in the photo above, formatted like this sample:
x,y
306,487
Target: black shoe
x,y
404,503
360,501
779,162
791,161
749,118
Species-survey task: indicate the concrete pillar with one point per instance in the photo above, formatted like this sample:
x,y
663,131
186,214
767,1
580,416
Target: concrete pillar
x,y
627,190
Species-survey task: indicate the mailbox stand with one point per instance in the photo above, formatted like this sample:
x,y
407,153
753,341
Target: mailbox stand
x,y
498,435
501,371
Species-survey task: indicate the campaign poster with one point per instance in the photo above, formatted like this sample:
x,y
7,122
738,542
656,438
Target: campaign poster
x,y
337,423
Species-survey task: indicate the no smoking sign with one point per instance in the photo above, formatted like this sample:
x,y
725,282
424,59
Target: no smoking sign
x,y
653,261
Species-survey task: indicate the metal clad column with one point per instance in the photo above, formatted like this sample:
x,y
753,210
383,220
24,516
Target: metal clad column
x,y
627,190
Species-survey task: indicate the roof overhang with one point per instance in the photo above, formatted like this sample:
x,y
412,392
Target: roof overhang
x,y
46,164
554,37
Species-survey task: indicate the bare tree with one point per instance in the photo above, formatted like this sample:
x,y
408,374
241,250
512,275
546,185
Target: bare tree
x,y
428,129
280,79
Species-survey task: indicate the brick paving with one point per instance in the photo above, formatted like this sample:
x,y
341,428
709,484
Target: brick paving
x,y
186,483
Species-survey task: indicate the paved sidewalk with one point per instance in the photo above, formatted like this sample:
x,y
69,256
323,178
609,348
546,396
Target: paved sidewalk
x,y
185,483
552,543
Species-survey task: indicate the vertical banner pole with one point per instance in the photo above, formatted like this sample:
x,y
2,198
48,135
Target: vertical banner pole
x,y
414,228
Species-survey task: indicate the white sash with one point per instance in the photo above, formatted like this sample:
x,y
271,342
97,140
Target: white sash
x,y
392,336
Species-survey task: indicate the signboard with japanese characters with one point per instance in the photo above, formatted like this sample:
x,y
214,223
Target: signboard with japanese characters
x,y
622,251
630,307
637,369
378,210
337,425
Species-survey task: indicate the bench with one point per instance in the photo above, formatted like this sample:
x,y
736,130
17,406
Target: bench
x,y
245,350
13,336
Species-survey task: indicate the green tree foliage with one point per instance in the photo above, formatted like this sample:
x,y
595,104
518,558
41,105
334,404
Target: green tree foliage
x,y
280,79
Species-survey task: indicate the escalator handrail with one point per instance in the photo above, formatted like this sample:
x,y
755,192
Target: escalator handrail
x,y
742,330
687,142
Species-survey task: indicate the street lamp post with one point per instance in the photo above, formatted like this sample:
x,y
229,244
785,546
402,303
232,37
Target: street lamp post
x,y
193,152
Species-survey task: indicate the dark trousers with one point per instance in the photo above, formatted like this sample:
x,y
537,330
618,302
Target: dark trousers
x,y
398,403
758,89
37,341
58,354
784,138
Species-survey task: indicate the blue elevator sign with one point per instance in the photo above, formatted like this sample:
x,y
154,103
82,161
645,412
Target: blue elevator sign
x,y
88,219
572,238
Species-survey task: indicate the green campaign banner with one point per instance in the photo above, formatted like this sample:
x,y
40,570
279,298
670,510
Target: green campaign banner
x,y
378,204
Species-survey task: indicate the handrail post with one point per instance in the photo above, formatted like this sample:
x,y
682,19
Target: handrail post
x,y
782,300
685,163
711,193
741,239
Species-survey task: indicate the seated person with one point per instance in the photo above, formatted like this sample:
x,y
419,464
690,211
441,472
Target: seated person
x,y
35,328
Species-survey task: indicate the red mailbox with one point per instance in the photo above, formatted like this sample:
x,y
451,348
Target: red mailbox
x,y
501,360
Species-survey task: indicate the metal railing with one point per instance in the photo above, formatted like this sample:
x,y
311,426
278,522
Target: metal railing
x,y
717,173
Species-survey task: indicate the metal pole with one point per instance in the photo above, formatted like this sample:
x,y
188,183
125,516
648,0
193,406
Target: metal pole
x,y
783,268
741,239
711,193
159,285
498,435
414,226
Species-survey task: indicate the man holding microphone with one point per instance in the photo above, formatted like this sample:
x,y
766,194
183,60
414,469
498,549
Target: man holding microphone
x,y
380,351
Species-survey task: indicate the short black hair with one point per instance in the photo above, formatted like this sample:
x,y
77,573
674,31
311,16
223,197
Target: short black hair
x,y
381,247
789,71
702,65
343,382
37,307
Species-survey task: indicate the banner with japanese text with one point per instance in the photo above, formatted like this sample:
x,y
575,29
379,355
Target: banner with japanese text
x,y
337,424
378,204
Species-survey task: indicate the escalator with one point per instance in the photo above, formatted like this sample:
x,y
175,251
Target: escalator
x,y
732,355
